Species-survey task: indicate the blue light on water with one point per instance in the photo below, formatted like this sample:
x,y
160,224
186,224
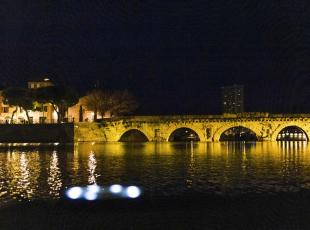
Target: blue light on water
x,y
133,192
95,192
116,188
90,195
75,193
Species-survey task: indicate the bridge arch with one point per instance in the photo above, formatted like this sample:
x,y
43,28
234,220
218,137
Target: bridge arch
x,y
218,133
198,133
282,128
133,135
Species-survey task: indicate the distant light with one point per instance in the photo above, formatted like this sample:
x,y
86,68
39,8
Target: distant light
x,y
133,192
93,143
46,79
89,195
116,188
93,188
74,193
56,143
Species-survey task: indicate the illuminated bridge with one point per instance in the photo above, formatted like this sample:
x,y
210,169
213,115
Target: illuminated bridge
x,y
243,127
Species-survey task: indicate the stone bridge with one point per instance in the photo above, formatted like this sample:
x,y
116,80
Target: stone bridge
x,y
208,127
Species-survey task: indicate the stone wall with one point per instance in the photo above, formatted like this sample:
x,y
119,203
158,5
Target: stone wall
x,y
36,133
208,127
155,128
90,131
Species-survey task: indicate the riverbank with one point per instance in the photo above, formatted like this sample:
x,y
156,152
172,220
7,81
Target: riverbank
x,y
279,211
37,133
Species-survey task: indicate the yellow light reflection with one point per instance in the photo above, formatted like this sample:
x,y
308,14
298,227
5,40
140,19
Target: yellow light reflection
x,y
191,167
23,170
92,164
75,163
54,177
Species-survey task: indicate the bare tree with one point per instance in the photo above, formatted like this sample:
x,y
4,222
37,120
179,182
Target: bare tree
x,y
94,101
117,103
122,102
105,103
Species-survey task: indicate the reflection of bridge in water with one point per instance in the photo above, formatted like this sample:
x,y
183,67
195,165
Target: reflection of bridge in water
x,y
254,126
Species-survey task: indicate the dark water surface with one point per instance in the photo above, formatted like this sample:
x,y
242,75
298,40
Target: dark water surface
x,y
161,169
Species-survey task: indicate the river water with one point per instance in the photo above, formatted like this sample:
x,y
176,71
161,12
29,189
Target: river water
x,y
160,169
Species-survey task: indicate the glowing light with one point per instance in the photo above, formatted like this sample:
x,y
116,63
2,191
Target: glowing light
x,y
116,188
74,193
57,143
133,192
93,188
89,195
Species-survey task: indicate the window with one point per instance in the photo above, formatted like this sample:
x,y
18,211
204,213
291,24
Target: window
x,y
5,109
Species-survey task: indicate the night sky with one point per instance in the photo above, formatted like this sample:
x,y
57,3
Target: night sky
x,y
172,55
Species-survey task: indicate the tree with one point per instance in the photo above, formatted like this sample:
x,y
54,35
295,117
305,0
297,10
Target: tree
x,y
122,102
96,101
117,103
19,97
60,97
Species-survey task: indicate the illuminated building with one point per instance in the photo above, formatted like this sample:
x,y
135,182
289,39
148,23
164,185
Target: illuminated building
x,y
40,84
232,99
44,115
47,113
79,112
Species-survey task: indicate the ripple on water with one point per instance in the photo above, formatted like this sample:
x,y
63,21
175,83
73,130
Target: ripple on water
x,y
161,169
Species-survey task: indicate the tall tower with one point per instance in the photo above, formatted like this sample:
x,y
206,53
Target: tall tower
x,y
232,99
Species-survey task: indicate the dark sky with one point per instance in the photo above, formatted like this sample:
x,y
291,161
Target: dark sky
x,y
172,55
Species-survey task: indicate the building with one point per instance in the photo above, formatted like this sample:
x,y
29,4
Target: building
x,y
233,99
80,113
39,84
43,114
